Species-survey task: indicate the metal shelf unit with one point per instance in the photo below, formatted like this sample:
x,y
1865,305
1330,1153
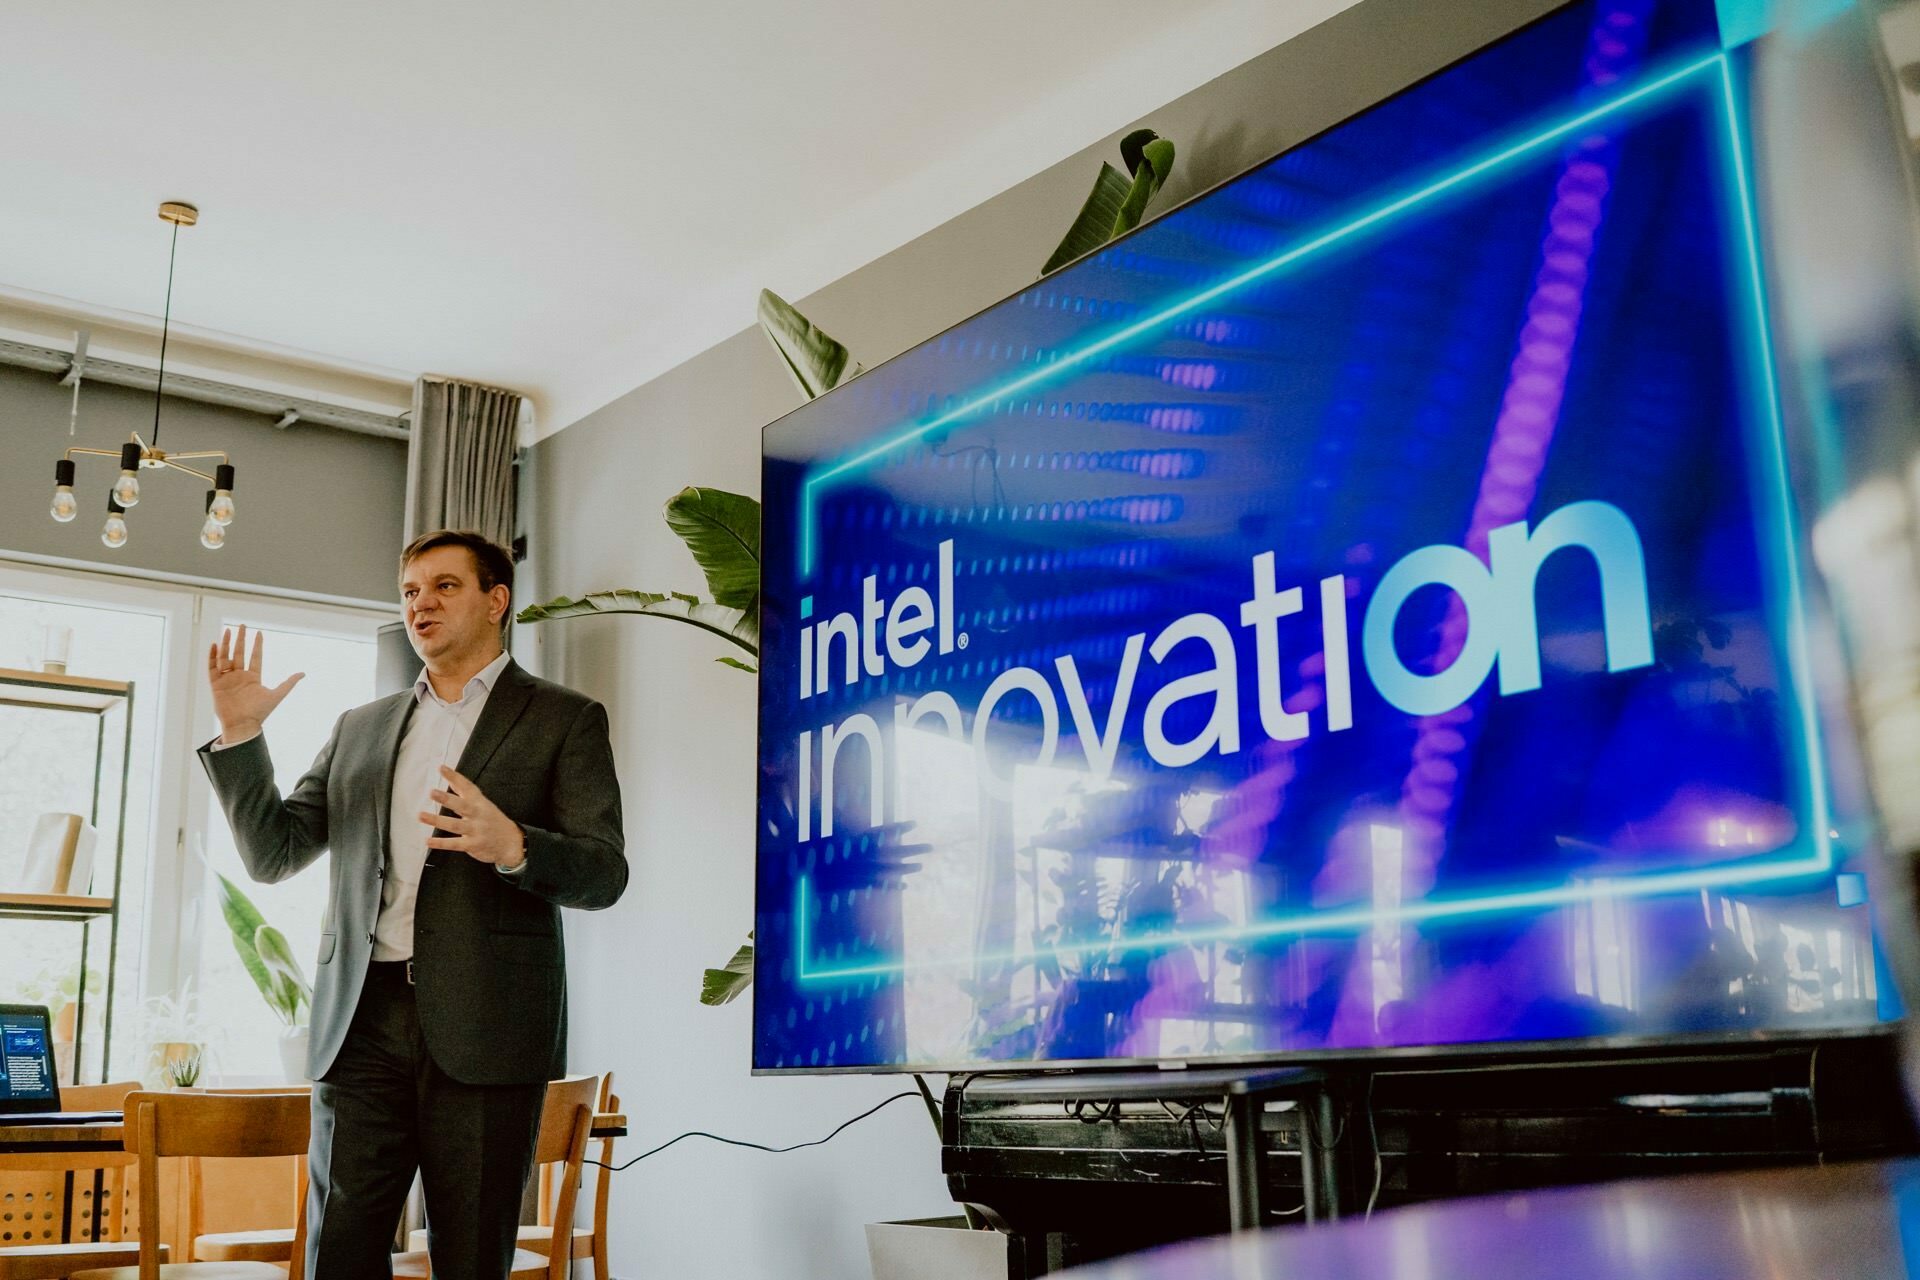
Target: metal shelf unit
x,y
103,700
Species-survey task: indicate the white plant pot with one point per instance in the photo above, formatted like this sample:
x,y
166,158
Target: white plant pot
x,y
293,1054
935,1249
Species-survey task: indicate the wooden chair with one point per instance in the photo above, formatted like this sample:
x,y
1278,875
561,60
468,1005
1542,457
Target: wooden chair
x,y
269,1244
208,1124
40,1191
588,1242
565,1122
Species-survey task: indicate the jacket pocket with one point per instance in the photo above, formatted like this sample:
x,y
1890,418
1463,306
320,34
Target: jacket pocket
x,y
327,941
526,948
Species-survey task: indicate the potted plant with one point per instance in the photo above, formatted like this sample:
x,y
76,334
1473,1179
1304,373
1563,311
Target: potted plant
x,y
271,964
59,991
178,1038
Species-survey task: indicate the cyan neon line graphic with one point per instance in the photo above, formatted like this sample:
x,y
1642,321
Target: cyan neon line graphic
x,y
1349,920
1776,542
1776,515
1643,95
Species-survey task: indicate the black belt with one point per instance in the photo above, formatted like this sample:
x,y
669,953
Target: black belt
x,y
391,970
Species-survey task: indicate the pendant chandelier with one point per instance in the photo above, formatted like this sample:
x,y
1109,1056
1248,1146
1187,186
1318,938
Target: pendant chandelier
x,y
138,455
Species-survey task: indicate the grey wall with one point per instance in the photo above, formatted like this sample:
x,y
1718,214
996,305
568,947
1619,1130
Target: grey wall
x,y
684,726
319,510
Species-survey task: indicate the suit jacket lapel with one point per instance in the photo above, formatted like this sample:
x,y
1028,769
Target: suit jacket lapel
x,y
509,698
393,727
504,705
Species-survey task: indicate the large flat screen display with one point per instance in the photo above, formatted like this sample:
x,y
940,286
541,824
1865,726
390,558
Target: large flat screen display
x,y
1360,611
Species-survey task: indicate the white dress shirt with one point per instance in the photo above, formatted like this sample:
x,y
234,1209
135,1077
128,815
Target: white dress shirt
x,y
436,734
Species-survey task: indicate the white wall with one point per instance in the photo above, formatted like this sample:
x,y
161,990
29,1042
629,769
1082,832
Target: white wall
x,y
684,737
684,725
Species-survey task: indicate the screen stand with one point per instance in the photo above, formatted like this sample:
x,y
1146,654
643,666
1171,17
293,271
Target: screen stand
x,y
1244,1091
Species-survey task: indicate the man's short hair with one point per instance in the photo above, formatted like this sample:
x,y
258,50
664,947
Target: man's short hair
x,y
492,563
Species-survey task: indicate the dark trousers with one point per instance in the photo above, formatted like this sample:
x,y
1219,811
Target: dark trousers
x,y
385,1109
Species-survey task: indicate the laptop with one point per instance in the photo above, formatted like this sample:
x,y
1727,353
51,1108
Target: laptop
x,y
29,1081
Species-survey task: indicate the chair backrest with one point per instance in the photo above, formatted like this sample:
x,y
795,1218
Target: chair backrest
x,y
546,1171
565,1098
211,1124
197,1175
218,1124
565,1120
34,1186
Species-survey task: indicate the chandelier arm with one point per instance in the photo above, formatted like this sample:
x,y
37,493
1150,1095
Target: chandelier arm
x,y
204,453
98,453
169,462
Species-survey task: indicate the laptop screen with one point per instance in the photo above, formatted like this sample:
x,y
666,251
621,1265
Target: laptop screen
x,y
28,1081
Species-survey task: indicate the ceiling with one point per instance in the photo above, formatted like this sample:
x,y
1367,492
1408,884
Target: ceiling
x,y
566,198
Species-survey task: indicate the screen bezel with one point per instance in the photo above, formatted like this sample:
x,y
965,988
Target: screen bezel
x,y
1427,1054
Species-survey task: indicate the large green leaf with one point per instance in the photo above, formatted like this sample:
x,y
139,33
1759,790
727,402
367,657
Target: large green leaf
x,y
736,625
1093,226
718,986
1155,167
244,922
815,360
1117,203
278,957
722,530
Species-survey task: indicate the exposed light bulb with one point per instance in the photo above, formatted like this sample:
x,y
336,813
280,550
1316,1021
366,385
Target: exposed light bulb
x,y
213,534
221,509
114,533
64,507
126,490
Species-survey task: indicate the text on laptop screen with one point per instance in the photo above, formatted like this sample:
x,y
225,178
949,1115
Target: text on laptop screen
x,y
26,1059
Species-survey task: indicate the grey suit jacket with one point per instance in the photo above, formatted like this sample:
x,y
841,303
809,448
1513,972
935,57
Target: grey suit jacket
x,y
489,964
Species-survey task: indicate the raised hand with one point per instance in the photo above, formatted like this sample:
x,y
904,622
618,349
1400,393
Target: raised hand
x,y
241,702
478,828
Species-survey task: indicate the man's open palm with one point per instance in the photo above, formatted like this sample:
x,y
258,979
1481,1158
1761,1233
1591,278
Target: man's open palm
x,y
241,701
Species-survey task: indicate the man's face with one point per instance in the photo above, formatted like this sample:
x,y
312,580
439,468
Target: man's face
x,y
448,616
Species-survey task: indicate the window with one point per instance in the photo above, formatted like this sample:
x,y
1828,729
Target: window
x,y
171,929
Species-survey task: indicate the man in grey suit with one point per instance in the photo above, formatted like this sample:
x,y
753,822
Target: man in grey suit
x,y
461,815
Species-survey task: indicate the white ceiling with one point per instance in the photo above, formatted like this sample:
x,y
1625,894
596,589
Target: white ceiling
x,y
564,198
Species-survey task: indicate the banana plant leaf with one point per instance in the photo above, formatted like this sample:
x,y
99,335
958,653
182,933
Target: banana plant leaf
x,y
718,986
722,530
1117,203
244,922
734,625
816,362
277,956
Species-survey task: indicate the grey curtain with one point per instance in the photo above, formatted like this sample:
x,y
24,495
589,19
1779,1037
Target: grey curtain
x,y
460,464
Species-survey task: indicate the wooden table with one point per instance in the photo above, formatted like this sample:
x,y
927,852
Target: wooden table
x,y
19,1139
1845,1222
238,1195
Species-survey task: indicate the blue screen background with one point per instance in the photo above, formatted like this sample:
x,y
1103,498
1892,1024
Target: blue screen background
x,y
1524,284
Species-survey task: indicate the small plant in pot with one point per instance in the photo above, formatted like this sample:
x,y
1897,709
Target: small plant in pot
x,y
270,963
178,1040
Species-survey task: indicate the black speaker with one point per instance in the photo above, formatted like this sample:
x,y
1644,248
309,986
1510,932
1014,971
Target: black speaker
x,y
395,665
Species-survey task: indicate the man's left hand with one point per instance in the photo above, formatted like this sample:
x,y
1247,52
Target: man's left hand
x,y
478,828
